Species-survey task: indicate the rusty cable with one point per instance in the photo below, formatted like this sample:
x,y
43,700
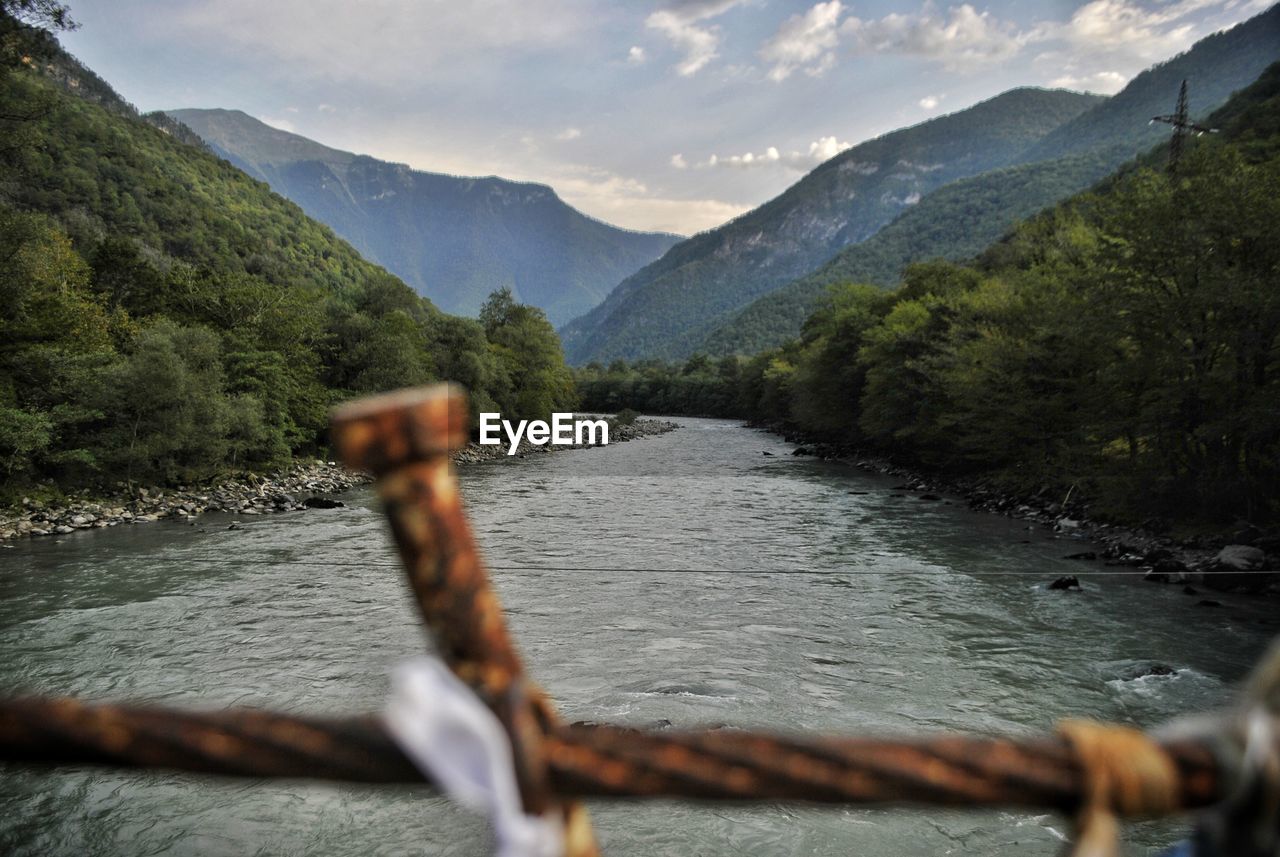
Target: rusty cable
x,y
593,761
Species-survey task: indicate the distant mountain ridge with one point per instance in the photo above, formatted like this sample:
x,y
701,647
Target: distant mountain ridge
x,y
957,221
667,308
454,239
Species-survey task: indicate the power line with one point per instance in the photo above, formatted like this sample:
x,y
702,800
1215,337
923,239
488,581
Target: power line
x,y
609,569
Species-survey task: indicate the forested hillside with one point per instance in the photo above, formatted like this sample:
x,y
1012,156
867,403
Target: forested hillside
x,y
164,317
669,306
454,239
1123,347
956,221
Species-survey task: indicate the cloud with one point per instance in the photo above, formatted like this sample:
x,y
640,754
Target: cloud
x,y
630,203
822,149
1107,82
1105,42
1118,24
280,124
569,134
826,148
380,41
635,56
661,214
678,161
964,37
930,102
681,21
804,41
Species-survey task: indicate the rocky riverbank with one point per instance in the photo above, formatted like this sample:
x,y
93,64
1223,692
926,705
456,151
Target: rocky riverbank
x,y
1244,560
306,485
474,453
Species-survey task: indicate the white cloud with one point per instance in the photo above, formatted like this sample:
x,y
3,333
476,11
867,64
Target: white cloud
x,y
661,214
628,202
678,161
804,41
380,41
964,37
326,108
569,134
826,148
636,56
1105,42
822,149
930,102
280,124
1107,82
1116,23
681,23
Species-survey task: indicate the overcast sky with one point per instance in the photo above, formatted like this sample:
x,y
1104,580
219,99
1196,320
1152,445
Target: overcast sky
x,y
672,115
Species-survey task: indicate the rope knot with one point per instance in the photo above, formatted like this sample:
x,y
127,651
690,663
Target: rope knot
x,y
1125,773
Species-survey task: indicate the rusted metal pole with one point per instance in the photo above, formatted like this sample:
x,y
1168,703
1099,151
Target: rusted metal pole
x,y
596,761
404,439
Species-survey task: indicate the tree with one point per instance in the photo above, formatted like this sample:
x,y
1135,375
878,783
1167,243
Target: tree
x,y
529,354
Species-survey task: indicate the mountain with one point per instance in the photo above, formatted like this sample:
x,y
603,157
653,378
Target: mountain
x,y
956,221
99,168
668,306
165,318
1214,68
453,239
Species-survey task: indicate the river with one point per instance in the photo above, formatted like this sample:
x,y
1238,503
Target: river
x,y
925,616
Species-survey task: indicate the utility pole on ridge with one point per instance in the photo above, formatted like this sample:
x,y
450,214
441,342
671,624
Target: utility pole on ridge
x,y
1182,126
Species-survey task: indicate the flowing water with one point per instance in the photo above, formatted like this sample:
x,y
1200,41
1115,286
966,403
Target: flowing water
x,y
925,616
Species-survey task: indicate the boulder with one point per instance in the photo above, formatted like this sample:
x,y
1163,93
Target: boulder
x,y
1240,558
1174,571
1236,568
323,503
1153,669
1066,583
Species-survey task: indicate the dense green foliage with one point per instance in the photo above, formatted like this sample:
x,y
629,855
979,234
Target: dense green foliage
x,y
959,219
698,387
667,308
453,239
1125,345
165,318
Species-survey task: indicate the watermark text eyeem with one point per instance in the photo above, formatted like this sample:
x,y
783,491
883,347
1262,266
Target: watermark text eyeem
x,y
563,430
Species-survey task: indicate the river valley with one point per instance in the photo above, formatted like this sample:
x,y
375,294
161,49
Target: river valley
x,y
685,577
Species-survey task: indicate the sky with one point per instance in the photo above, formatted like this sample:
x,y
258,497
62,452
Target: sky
x,y
672,115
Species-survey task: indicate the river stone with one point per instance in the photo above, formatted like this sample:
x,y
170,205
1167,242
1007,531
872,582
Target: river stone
x,y
1240,558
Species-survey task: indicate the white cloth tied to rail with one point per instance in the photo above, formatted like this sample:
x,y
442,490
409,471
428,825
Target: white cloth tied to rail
x,y
460,744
